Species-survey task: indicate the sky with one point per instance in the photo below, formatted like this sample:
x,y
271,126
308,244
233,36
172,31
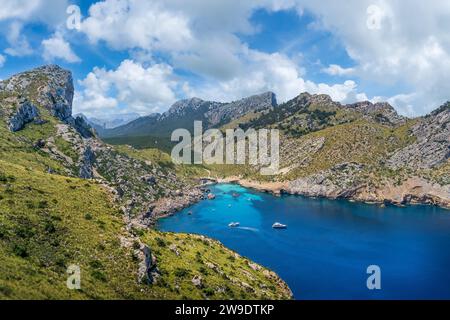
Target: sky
x,y
140,56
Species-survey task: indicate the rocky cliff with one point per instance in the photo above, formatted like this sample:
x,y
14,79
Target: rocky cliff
x,y
235,110
432,145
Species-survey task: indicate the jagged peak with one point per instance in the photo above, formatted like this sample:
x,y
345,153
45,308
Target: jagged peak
x,y
360,105
189,100
48,86
368,104
52,70
184,104
444,108
307,97
195,101
55,74
152,115
268,96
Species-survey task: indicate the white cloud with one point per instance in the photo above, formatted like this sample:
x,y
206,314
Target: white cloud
x,y
21,9
387,45
337,70
126,24
383,38
200,37
273,72
410,48
19,45
50,12
2,60
131,86
15,14
57,48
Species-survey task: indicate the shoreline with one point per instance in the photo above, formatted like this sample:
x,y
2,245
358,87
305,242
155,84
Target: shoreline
x,y
167,207
279,188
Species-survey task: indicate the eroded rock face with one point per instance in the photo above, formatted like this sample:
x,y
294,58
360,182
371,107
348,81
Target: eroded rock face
x,y
182,107
237,109
432,147
26,112
170,205
87,164
381,112
339,182
148,270
57,95
83,128
50,86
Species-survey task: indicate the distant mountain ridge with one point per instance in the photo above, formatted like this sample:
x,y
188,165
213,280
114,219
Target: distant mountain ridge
x,y
307,113
114,120
100,125
255,111
183,113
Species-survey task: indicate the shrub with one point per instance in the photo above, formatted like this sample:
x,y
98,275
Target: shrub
x,y
49,227
160,242
95,264
43,204
208,292
181,272
203,270
96,274
7,291
20,251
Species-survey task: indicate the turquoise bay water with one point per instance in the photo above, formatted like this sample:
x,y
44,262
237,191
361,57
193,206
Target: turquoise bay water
x,y
328,245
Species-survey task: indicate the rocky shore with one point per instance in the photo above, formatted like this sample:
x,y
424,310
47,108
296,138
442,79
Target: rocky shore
x,y
412,191
168,206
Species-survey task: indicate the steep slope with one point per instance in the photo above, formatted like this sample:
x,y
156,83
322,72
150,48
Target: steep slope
x,y
432,145
183,114
308,113
66,198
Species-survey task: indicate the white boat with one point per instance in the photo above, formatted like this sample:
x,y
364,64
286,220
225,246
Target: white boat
x,y
234,224
278,225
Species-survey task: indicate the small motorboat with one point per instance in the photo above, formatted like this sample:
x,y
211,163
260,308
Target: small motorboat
x,y
235,195
234,224
278,225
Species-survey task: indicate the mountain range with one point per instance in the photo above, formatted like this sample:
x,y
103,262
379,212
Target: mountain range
x,y
362,151
183,113
68,197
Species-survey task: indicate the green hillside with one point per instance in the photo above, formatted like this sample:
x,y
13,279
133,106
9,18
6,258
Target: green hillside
x,y
51,219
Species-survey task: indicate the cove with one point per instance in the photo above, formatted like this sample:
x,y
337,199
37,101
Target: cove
x,y
329,244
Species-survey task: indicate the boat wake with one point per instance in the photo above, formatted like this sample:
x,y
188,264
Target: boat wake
x,y
248,229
